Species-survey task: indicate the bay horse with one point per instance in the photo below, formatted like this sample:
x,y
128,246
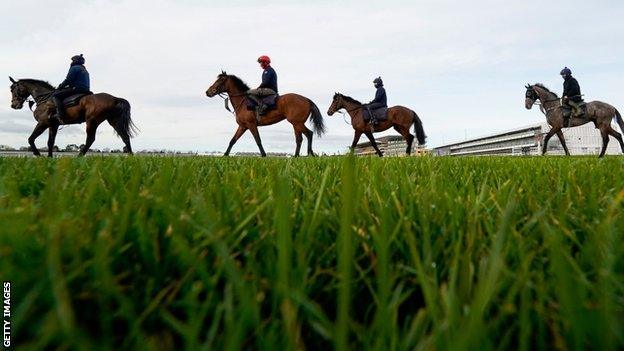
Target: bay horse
x,y
399,117
292,107
92,109
598,112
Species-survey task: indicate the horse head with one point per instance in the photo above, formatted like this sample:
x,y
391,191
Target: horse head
x,y
530,96
19,94
218,86
337,104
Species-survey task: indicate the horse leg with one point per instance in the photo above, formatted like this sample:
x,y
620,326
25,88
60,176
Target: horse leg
x,y
39,129
239,132
91,128
409,138
617,136
309,134
605,141
122,134
563,143
51,138
254,131
549,135
356,138
374,143
298,140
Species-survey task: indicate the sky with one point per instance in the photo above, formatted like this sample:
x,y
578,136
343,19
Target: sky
x,y
461,66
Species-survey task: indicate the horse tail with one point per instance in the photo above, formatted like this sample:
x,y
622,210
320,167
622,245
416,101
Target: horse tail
x,y
618,118
124,125
418,130
317,119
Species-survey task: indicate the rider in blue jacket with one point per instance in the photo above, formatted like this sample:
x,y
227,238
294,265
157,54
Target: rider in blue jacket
x,y
268,85
76,82
379,101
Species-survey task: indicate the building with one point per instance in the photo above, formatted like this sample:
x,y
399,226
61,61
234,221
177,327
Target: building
x,y
391,145
583,140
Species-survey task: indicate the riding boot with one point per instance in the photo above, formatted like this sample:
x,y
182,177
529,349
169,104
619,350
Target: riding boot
x,y
58,106
370,114
262,109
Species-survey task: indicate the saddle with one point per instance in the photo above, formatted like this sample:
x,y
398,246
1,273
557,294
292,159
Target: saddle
x,y
380,114
567,110
74,99
270,101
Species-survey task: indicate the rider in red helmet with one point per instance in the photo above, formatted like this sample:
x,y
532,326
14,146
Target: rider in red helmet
x,y
268,85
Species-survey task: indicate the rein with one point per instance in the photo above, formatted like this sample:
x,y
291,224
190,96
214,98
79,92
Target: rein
x,y
226,100
546,110
344,117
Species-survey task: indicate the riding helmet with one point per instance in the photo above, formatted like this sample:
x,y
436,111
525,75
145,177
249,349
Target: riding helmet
x,y
264,58
78,59
378,82
566,72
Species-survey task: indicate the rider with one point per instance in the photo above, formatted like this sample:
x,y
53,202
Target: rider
x,y
571,92
76,82
379,101
267,87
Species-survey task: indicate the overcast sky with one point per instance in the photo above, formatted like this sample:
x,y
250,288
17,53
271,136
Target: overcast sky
x,y
461,65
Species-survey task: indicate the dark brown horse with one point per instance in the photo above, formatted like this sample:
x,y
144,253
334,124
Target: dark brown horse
x,y
292,107
597,111
400,118
93,109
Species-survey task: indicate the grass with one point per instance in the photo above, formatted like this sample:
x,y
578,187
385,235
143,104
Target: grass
x,y
326,253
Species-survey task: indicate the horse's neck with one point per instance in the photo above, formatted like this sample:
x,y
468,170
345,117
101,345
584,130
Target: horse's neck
x,y
37,91
353,109
236,97
549,100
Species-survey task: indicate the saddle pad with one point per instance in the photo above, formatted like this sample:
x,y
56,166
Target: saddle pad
x,y
381,114
74,99
270,101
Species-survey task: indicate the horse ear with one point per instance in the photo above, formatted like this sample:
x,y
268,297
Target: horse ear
x,y
12,80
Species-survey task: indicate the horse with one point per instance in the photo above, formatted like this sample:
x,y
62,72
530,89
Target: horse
x,y
92,109
292,107
598,112
400,118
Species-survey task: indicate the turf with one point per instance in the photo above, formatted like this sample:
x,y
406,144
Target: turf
x,y
326,253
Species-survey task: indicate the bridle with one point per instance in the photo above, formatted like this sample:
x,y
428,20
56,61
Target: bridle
x,y
535,97
347,111
226,98
39,99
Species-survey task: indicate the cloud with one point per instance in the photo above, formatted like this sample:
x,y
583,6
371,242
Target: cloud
x,y
12,127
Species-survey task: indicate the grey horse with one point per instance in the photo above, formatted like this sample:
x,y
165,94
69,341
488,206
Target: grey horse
x,y
598,112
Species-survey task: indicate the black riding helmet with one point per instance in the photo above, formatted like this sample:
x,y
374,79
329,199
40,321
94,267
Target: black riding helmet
x,y
78,60
566,72
378,82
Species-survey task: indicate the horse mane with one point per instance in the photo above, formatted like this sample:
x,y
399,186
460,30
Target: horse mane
x,y
350,99
238,83
545,88
38,82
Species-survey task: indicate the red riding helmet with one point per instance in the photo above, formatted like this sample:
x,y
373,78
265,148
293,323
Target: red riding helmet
x,y
264,58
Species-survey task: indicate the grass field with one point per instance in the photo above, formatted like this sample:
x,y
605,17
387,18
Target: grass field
x,y
326,253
